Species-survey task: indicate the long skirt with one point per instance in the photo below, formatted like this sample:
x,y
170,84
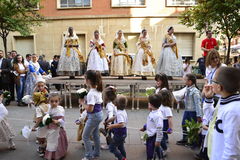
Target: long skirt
x,y
119,65
95,62
6,132
57,144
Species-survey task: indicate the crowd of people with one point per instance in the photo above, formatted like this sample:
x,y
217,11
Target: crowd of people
x,y
216,107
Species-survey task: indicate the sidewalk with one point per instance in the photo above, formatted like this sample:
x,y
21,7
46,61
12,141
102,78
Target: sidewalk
x,y
26,150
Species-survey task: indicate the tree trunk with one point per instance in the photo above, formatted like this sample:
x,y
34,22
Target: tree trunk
x,y
228,51
5,45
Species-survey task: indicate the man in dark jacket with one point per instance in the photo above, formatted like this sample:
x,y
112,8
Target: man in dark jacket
x,y
5,68
44,64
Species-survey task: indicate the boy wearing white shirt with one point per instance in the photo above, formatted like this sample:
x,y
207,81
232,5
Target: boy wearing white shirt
x,y
154,126
224,128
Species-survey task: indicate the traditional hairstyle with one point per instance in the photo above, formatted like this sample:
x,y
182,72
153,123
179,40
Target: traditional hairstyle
x,y
96,31
110,94
163,78
95,79
193,78
229,79
143,30
121,102
210,56
155,100
169,28
15,61
166,98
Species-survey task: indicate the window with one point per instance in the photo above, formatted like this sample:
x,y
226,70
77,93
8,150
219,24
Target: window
x,y
74,3
127,3
185,44
181,2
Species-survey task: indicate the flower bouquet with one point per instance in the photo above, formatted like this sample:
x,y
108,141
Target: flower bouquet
x,y
150,91
82,93
47,119
7,95
27,99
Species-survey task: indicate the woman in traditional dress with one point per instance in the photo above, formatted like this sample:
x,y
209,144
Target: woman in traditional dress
x,y
71,56
97,59
120,61
170,61
34,72
144,60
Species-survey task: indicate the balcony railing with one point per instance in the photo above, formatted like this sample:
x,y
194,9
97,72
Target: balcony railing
x,y
181,2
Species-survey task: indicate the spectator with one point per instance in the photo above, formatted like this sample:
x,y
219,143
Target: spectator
x,y
208,44
187,67
54,66
28,60
20,72
201,65
44,64
35,72
236,62
4,74
12,76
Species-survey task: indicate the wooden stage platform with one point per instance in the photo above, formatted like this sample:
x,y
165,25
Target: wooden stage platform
x,y
133,85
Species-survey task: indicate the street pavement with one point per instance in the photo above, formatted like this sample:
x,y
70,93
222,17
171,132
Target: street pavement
x,y
135,148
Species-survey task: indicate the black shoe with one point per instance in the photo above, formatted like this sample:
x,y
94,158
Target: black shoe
x,y
120,77
182,142
19,104
197,157
71,77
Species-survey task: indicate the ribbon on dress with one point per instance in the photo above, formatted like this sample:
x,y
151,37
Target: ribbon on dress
x,y
73,43
121,47
174,48
147,52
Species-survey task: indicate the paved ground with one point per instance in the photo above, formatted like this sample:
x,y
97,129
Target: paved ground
x,y
26,150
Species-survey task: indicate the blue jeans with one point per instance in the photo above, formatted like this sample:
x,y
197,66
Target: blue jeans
x,y
20,88
153,151
117,147
165,135
92,129
188,115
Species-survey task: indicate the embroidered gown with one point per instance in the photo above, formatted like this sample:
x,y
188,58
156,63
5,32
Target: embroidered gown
x,y
170,61
144,60
120,61
97,59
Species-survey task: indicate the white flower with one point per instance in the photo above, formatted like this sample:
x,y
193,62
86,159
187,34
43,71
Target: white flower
x,y
81,90
45,119
27,99
150,90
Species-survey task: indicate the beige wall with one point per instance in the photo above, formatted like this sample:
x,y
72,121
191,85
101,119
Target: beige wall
x,y
48,37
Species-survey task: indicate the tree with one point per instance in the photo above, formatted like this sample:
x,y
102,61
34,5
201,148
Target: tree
x,y
18,16
220,16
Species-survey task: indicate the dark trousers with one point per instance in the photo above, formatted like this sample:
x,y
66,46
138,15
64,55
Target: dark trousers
x,y
188,115
203,151
151,149
165,135
117,147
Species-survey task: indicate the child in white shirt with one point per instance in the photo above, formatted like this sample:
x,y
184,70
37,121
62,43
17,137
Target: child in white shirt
x,y
154,127
224,128
165,108
119,129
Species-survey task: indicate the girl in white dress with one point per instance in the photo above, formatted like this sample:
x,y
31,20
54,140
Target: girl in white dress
x,y
170,61
71,56
97,59
144,60
120,61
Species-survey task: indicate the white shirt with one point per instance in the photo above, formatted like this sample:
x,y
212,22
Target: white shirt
x,y
210,72
189,69
159,89
111,110
58,111
1,62
121,117
205,122
166,112
26,63
94,97
22,68
154,120
3,112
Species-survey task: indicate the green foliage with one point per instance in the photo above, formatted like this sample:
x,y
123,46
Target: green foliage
x,y
193,129
220,16
18,16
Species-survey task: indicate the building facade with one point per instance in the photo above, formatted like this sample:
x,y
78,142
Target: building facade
x,y
108,16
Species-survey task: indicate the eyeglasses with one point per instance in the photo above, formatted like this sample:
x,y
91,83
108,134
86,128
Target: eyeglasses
x,y
52,101
215,57
214,82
